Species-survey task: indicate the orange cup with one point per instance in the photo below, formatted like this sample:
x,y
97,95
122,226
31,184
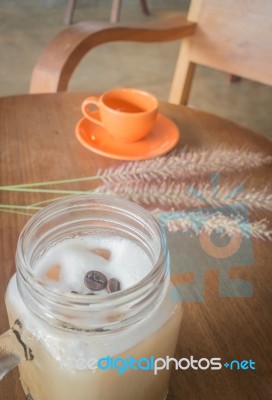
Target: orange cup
x,y
128,115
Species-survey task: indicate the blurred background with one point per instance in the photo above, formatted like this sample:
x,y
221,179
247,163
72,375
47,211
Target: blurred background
x,y
26,26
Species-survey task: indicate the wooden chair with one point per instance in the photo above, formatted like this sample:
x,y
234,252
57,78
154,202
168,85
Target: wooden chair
x,y
232,36
114,15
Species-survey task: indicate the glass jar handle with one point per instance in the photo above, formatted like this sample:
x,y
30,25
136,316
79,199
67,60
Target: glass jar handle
x,y
12,349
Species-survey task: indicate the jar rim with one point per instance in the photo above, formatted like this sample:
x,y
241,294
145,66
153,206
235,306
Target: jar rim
x,y
34,290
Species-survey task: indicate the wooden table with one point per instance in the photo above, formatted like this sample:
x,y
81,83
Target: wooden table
x,y
37,143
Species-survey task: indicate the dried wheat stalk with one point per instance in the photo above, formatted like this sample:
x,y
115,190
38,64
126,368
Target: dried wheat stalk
x,y
175,182
186,163
199,221
173,195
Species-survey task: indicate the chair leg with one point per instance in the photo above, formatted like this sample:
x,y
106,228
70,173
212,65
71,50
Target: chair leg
x,y
183,76
145,7
69,12
234,78
115,11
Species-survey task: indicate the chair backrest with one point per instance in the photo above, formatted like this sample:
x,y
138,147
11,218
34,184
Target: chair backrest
x,y
234,36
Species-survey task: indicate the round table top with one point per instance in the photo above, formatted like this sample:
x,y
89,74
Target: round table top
x,y
38,144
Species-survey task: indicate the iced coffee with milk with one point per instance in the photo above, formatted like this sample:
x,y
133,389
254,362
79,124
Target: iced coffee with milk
x,y
93,301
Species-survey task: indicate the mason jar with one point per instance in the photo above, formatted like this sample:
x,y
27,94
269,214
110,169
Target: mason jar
x,y
71,346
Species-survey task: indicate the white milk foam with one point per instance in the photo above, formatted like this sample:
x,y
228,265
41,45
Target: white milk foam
x,y
128,262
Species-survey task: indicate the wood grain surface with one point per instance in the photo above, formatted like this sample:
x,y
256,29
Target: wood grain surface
x,y
37,143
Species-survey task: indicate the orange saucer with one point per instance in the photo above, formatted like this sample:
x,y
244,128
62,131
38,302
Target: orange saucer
x,y
163,137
